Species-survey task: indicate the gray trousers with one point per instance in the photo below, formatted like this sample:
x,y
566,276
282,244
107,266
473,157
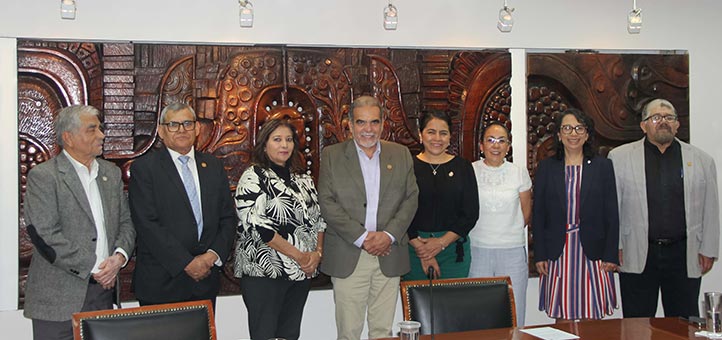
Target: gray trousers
x,y
96,298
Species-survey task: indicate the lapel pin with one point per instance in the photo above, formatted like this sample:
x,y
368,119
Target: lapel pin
x,y
451,174
689,163
589,161
105,179
203,164
389,166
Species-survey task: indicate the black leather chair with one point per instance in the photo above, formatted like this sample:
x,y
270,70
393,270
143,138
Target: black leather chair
x,y
178,321
460,304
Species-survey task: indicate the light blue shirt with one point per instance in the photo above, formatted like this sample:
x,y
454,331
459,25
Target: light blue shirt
x,y
371,171
194,171
191,165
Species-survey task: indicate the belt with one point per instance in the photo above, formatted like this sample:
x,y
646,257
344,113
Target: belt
x,y
666,241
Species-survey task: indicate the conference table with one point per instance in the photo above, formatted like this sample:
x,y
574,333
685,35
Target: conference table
x,y
610,329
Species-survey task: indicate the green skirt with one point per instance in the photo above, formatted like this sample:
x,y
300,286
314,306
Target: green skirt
x,y
454,261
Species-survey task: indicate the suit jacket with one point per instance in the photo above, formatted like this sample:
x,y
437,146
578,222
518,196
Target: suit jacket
x,y
61,226
342,196
701,205
598,215
167,231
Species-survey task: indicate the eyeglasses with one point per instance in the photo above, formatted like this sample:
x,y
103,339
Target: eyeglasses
x,y
188,125
580,129
494,140
656,119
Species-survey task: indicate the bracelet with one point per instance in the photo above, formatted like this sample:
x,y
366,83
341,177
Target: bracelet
x,y
320,254
443,247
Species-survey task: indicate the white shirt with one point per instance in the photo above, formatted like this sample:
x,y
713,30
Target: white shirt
x,y
501,221
88,179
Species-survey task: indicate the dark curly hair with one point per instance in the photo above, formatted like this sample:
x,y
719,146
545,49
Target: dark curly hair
x,y
588,148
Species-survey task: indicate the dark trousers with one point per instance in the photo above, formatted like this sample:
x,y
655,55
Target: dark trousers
x,y
96,298
666,269
275,307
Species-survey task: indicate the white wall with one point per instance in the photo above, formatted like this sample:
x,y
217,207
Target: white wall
x,y
551,24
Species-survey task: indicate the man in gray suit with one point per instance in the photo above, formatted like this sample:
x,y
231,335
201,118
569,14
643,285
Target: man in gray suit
x,y
368,196
668,217
78,220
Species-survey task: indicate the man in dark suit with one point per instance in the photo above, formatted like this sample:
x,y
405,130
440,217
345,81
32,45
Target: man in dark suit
x,y
181,205
368,196
78,220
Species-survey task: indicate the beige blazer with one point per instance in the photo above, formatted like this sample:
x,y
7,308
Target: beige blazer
x,y
342,196
701,205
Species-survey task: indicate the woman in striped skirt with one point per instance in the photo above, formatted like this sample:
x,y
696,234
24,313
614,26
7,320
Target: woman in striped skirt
x,y
575,225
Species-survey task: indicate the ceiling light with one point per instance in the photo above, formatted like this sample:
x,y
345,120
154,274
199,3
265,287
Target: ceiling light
x,y
634,20
67,9
246,13
506,21
391,17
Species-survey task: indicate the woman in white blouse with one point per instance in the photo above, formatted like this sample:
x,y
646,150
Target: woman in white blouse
x,y
280,236
498,244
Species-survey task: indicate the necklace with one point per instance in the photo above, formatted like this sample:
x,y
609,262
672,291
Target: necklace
x,y
434,168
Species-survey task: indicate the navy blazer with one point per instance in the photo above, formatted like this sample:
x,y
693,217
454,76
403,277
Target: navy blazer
x,y
598,214
167,234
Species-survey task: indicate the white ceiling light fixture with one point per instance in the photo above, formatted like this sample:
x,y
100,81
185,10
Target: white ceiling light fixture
x,y
245,14
634,19
506,21
67,9
391,17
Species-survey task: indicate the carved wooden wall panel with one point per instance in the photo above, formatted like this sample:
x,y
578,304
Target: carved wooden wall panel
x,y
611,88
480,88
235,89
50,76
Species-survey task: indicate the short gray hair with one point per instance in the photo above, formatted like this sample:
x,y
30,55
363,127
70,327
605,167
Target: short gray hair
x,y
69,120
364,101
659,102
175,107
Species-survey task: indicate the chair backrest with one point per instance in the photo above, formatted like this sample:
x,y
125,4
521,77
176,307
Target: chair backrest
x,y
460,304
179,321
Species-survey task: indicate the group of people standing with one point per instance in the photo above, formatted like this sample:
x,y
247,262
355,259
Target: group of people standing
x,y
378,216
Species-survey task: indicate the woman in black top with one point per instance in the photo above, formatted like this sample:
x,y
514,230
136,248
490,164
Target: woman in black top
x,y
448,205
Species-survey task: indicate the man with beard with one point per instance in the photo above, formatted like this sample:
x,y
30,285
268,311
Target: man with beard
x,y
368,196
668,217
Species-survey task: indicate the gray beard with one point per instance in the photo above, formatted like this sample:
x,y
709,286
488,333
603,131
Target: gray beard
x,y
663,138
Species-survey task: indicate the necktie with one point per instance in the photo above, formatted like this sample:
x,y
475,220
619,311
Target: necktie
x,y
192,193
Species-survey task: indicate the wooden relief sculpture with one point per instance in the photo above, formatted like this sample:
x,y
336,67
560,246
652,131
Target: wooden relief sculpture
x,y
50,76
234,90
611,88
480,88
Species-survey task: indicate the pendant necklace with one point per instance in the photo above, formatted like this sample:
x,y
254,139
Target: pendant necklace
x,y
434,168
